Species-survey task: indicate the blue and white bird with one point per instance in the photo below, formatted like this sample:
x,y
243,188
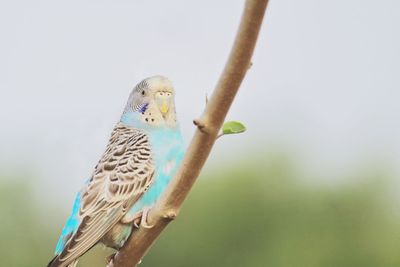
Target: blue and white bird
x,y
143,154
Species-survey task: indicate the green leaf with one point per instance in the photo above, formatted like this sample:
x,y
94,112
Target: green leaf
x,y
233,127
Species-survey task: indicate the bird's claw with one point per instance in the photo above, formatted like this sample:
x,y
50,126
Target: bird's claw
x,y
110,260
142,220
136,222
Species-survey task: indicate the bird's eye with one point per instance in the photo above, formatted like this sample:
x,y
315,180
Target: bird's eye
x,y
143,93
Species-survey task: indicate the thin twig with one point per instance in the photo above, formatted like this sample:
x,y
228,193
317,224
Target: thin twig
x,y
167,208
219,135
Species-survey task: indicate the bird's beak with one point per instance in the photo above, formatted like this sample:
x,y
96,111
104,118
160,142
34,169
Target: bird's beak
x,y
163,101
164,107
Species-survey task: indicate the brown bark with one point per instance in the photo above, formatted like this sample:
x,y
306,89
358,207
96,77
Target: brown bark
x,y
167,208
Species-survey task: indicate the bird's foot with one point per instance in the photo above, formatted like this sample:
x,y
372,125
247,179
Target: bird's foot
x,y
136,222
110,260
142,220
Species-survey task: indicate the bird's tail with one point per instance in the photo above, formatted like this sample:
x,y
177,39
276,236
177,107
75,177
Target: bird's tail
x,y
72,264
52,260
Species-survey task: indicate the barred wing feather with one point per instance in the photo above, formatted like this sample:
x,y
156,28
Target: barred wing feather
x,y
123,174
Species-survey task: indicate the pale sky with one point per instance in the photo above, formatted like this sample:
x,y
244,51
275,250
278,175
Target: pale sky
x,y
324,83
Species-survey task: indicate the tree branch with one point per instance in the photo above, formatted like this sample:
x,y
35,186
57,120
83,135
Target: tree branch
x,y
167,208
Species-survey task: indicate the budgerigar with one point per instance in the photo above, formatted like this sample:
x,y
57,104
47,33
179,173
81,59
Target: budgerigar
x,y
141,157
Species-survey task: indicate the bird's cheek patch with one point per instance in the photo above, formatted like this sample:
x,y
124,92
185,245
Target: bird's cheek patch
x,y
144,108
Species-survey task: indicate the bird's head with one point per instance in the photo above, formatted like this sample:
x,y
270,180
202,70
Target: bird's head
x,y
151,102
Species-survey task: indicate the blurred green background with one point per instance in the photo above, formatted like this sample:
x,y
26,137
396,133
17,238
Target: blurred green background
x,y
313,182
253,213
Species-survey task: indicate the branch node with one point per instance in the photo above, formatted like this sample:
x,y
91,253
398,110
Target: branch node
x,y
200,125
170,215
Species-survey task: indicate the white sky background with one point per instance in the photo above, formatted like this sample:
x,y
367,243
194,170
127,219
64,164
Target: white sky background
x,y
324,84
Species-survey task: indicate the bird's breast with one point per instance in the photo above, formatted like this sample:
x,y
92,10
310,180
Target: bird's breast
x,y
167,153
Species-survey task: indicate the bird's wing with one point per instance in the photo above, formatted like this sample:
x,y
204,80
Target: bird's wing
x,y
123,174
